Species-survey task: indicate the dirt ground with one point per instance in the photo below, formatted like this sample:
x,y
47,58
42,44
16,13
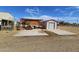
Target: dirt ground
x,y
51,43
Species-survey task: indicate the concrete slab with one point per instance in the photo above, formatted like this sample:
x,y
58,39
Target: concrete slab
x,y
62,32
35,32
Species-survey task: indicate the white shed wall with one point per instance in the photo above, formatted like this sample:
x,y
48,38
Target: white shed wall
x,y
51,25
55,25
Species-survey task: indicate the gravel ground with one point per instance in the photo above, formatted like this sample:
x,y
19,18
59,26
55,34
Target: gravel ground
x,y
51,43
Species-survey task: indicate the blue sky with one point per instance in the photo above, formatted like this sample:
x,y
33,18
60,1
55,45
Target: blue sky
x,y
39,11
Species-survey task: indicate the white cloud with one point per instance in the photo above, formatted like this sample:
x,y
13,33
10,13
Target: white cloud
x,y
32,17
73,7
45,17
77,7
73,12
66,19
59,10
33,11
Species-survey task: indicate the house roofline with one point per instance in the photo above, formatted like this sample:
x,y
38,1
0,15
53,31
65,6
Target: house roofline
x,y
30,19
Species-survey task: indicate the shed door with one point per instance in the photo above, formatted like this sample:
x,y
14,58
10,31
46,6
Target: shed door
x,y
51,25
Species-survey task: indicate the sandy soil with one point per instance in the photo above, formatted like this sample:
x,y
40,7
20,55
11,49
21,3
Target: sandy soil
x,y
51,43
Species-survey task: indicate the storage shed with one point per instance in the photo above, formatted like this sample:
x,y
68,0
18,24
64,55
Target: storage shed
x,y
50,24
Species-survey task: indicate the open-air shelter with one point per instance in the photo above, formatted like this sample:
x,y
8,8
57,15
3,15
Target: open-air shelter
x,y
6,20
